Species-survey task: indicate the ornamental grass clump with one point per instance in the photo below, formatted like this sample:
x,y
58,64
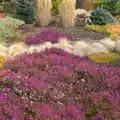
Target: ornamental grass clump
x,y
108,43
64,44
39,48
43,12
54,84
16,49
67,13
46,35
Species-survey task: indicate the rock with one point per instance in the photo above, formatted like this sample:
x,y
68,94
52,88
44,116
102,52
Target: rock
x,y
80,11
96,48
108,43
55,21
80,48
82,17
81,20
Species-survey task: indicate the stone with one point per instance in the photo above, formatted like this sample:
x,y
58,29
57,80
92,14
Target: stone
x,y
81,20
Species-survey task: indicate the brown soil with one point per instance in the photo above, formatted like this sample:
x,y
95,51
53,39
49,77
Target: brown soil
x,y
79,34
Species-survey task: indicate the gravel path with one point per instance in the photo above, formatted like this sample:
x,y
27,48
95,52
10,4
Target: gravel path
x,y
79,34
83,34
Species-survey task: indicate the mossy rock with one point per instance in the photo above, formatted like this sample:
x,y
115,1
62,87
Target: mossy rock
x,y
103,58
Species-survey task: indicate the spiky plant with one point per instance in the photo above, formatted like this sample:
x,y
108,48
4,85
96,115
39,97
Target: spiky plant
x,y
43,12
16,49
67,13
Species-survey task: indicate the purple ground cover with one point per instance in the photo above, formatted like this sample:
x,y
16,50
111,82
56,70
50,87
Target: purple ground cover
x,y
46,35
56,85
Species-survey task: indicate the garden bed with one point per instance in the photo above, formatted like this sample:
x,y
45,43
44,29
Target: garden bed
x,y
79,34
54,84
59,73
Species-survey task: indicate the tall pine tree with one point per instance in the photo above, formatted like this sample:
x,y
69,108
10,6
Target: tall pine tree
x,y
25,10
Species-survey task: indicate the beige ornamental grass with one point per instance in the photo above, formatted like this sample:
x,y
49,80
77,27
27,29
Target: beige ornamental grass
x,y
67,13
80,48
16,49
64,44
43,12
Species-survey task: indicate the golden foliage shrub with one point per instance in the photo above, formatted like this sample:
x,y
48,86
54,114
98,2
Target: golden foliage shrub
x,y
113,30
2,60
103,58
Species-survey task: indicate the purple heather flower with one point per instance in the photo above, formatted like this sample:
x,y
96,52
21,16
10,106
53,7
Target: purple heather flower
x,y
37,82
47,35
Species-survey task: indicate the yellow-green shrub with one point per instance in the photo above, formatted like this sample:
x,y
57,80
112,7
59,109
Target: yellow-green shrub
x,y
97,28
55,6
114,36
102,58
112,30
2,60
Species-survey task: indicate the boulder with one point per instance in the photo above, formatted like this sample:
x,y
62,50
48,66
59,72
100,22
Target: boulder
x,y
81,17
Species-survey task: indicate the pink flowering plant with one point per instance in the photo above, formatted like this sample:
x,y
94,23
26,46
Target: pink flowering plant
x,y
46,35
56,85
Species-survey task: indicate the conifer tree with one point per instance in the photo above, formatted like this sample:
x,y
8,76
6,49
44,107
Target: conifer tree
x,y
25,10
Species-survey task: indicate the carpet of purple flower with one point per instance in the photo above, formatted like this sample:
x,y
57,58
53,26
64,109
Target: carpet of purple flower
x,y
56,85
46,35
